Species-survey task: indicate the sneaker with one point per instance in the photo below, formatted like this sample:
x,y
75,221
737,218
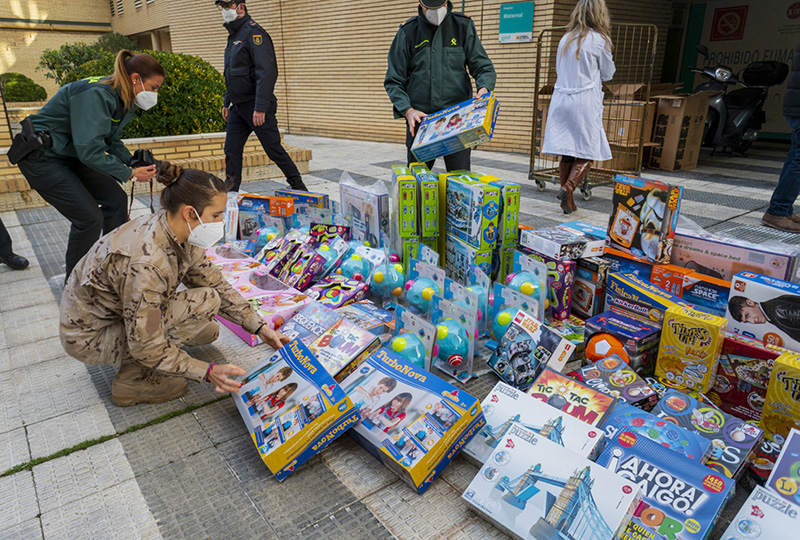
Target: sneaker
x,y
135,383
297,183
15,262
782,223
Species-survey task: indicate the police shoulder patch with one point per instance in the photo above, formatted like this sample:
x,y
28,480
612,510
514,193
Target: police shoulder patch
x,y
257,40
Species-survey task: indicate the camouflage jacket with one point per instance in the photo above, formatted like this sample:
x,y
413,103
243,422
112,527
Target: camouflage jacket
x,y
128,277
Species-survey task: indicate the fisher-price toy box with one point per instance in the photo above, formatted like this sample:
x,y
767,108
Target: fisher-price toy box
x,y
614,377
639,299
343,347
292,408
310,323
459,256
764,515
471,211
456,128
782,406
506,406
533,489
573,397
682,499
785,476
765,308
275,307
412,421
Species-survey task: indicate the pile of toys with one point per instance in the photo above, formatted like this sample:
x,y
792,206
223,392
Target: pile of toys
x,y
665,363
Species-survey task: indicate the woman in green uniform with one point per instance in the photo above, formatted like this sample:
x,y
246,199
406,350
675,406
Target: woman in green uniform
x,y
82,172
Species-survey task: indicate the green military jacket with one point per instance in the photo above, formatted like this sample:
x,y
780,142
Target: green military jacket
x,y
429,67
85,120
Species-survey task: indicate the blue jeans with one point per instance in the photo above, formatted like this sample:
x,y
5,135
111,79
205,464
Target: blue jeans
x,y
788,187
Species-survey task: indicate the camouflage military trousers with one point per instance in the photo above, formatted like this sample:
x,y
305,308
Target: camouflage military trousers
x,y
188,319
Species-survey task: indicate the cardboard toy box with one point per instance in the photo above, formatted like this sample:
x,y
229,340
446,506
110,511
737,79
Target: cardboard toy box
x,y
782,406
343,347
595,245
368,316
231,261
275,307
254,214
527,347
707,294
292,408
428,197
508,220
317,200
627,116
506,406
765,308
573,330
503,262
532,489
368,213
458,257
471,211
404,200
554,242
644,218
431,422
625,263
310,323
573,397
589,287
336,291
614,377
560,281
682,499
785,476
456,128
763,515
639,299
678,131
607,331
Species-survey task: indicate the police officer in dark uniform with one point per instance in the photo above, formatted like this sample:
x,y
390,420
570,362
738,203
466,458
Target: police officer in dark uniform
x,y
251,71
427,71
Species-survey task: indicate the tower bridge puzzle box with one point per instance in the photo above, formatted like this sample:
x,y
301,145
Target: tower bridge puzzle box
x,y
413,422
292,408
534,490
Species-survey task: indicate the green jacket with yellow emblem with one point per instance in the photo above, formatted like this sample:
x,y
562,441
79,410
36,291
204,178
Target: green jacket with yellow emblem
x,y
429,67
85,119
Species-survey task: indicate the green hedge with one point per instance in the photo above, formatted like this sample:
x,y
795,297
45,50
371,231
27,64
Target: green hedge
x,y
18,87
189,101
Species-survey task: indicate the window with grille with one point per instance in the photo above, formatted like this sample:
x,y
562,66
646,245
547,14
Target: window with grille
x,y
120,7
111,7
138,3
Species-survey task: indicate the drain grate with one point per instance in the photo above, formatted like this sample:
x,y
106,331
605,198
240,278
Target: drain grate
x,y
760,235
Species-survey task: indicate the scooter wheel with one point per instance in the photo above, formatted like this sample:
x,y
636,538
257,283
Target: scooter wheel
x,y
540,185
587,194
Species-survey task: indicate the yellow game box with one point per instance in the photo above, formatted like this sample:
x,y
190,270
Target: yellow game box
x,y
781,410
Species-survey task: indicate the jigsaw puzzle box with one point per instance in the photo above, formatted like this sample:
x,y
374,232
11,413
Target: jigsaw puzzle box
x,y
764,516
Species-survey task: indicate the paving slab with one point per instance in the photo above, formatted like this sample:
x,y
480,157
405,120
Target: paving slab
x,y
28,530
24,293
29,354
13,449
67,430
18,502
221,421
355,468
353,521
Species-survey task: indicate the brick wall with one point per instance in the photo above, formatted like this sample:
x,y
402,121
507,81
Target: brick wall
x,y
149,16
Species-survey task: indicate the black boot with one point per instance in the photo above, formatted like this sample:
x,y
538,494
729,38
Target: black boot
x,y
297,183
15,262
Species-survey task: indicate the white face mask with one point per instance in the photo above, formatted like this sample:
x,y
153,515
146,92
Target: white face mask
x,y
436,16
146,99
229,15
206,235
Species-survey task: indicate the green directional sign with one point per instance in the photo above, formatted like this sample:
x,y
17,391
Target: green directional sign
x,y
516,22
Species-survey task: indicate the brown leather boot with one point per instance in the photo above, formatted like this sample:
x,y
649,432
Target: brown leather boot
x,y
135,383
576,176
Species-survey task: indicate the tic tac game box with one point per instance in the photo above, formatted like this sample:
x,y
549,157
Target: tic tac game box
x,y
639,299
428,197
456,128
614,377
318,200
765,308
782,405
368,316
732,439
343,347
682,499
527,347
275,307
644,218
310,323
292,408
368,213
764,515
458,257
632,340
785,476
506,406
337,291
472,211
533,489
554,242
574,398
589,287
412,421
688,353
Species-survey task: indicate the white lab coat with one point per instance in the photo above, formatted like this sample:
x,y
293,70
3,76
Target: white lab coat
x,y
575,120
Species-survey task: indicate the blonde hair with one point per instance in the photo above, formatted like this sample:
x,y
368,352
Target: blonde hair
x,y
125,65
588,15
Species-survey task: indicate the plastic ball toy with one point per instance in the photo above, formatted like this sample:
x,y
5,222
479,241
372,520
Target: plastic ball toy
x,y
265,235
387,280
356,267
420,291
603,345
527,283
394,256
331,258
353,244
483,299
410,347
452,342
502,321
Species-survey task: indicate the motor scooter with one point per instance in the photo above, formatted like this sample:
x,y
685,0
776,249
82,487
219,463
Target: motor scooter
x,y
735,117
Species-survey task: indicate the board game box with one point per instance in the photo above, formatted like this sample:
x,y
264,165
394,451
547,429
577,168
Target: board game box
x,y
574,398
764,515
343,347
614,377
639,299
275,307
533,489
413,422
292,408
368,316
785,476
310,323
782,406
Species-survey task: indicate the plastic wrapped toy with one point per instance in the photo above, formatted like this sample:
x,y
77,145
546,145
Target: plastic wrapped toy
x,y
525,282
452,342
502,321
265,235
387,280
356,267
420,291
483,300
410,347
394,256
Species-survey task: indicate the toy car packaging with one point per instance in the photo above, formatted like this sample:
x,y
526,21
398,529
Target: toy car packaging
x,y
765,308
764,515
574,398
367,209
456,128
732,439
472,211
533,489
527,347
292,408
614,377
644,218
412,421
688,353
785,476
367,315
310,323
589,288
336,291
554,242
275,307
639,299
782,406
682,499
343,347
635,342
506,406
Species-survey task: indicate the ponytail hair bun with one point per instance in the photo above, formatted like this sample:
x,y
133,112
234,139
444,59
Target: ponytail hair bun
x,y
168,173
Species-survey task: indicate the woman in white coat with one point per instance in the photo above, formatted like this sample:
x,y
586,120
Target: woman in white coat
x,y
575,121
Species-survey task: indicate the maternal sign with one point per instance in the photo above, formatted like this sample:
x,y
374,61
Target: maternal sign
x,y
516,22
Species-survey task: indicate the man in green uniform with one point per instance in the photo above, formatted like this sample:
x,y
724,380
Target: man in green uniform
x,y
431,60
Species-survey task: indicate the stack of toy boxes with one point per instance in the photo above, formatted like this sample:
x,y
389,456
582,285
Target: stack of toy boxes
x,y
614,377
635,342
412,421
589,287
429,213
560,281
405,221
368,213
254,214
639,299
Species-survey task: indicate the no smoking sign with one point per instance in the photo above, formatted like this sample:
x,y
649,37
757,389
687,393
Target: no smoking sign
x,y
728,23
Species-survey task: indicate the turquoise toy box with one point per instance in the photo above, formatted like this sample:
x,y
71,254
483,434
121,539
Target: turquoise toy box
x,y
292,408
458,257
472,211
639,299
428,200
412,421
456,128
682,499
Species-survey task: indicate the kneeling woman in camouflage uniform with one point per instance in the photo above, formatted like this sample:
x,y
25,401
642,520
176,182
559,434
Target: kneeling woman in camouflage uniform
x,y
121,305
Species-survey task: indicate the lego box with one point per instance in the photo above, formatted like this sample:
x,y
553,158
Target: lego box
x,y
574,398
532,489
472,211
614,377
764,515
413,422
595,237
782,406
634,341
458,257
457,128
554,242
343,347
292,408
506,406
